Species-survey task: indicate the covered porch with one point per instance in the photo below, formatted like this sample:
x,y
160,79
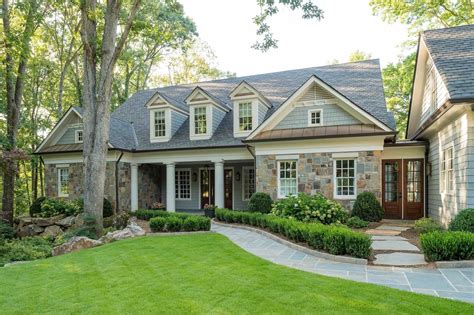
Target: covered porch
x,y
190,182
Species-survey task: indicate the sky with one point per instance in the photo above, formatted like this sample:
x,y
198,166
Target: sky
x,y
348,25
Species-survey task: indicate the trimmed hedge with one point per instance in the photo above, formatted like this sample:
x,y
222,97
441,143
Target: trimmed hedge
x,y
177,222
357,223
427,225
332,239
448,245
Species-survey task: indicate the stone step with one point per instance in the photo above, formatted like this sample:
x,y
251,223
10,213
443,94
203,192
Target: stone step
x,y
382,232
393,228
399,259
387,238
395,246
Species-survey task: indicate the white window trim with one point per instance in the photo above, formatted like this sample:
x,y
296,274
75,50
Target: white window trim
x,y
76,136
335,194
209,114
278,178
311,111
237,131
58,170
443,184
190,183
244,182
167,135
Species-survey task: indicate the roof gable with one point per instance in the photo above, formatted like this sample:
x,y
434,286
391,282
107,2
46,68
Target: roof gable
x,y
200,96
245,90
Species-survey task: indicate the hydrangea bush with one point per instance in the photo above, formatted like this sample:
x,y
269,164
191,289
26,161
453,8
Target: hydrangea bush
x,y
306,208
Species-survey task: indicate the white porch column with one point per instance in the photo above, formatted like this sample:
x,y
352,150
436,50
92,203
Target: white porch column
x,y
134,186
170,187
219,183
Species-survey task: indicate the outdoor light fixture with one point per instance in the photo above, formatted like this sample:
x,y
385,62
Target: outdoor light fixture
x,y
237,176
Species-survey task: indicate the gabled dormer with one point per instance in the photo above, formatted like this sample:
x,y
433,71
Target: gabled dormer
x,y
165,117
250,108
205,114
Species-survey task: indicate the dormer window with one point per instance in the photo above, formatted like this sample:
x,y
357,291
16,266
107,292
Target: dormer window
x,y
78,136
315,117
245,116
200,120
159,123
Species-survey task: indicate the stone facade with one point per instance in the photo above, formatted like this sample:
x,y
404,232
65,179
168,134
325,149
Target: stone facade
x,y
150,180
316,174
76,179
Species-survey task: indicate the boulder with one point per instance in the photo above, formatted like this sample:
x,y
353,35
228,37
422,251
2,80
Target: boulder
x,y
67,221
24,221
52,231
30,230
47,221
132,230
74,244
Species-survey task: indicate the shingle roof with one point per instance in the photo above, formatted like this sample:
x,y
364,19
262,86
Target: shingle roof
x,y
452,50
360,82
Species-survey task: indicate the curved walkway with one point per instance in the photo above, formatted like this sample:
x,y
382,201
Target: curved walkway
x,y
453,283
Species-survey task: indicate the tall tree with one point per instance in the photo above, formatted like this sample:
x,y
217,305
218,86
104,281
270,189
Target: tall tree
x,y
359,55
100,57
16,50
268,8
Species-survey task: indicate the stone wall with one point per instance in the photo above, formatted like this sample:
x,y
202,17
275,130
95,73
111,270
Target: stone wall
x,y
76,179
149,182
315,174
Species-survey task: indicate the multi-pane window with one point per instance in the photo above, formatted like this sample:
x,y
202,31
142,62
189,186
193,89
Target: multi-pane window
x,y
63,182
200,120
79,136
248,181
345,178
447,172
183,184
160,123
287,178
315,117
245,116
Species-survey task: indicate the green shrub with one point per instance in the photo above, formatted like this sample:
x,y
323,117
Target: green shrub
x,y
108,210
28,248
174,224
51,207
308,208
454,245
35,207
6,231
191,224
260,202
158,224
463,221
145,214
333,239
426,225
367,207
357,223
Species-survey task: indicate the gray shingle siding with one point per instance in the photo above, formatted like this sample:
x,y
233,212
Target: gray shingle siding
x,y
217,116
177,120
69,136
443,207
262,112
332,115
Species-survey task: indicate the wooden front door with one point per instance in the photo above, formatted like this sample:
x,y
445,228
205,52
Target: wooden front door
x,y
392,188
413,179
207,187
228,188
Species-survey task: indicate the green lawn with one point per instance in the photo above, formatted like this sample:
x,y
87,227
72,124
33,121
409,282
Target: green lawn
x,y
200,273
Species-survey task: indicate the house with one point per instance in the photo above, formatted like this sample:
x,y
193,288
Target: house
x,y
323,129
441,113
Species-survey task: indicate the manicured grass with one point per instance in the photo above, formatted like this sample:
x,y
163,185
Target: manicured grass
x,y
200,273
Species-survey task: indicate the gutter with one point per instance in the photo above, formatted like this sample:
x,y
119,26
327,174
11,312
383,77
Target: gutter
x,y
116,184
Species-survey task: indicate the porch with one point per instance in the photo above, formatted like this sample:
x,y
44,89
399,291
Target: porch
x,y
189,186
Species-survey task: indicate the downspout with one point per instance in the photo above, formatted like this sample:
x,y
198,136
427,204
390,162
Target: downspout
x,y
427,147
116,185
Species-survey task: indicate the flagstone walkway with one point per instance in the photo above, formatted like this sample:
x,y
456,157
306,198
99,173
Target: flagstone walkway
x,y
456,283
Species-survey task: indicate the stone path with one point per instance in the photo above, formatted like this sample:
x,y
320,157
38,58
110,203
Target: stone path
x,y
400,251
449,283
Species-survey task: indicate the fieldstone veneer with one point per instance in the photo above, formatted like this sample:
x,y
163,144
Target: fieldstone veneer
x,y
76,179
315,174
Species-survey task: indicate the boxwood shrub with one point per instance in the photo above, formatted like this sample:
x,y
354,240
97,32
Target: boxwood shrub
x,y
177,222
426,225
367,207
448,245
260,202
463,221
336,240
